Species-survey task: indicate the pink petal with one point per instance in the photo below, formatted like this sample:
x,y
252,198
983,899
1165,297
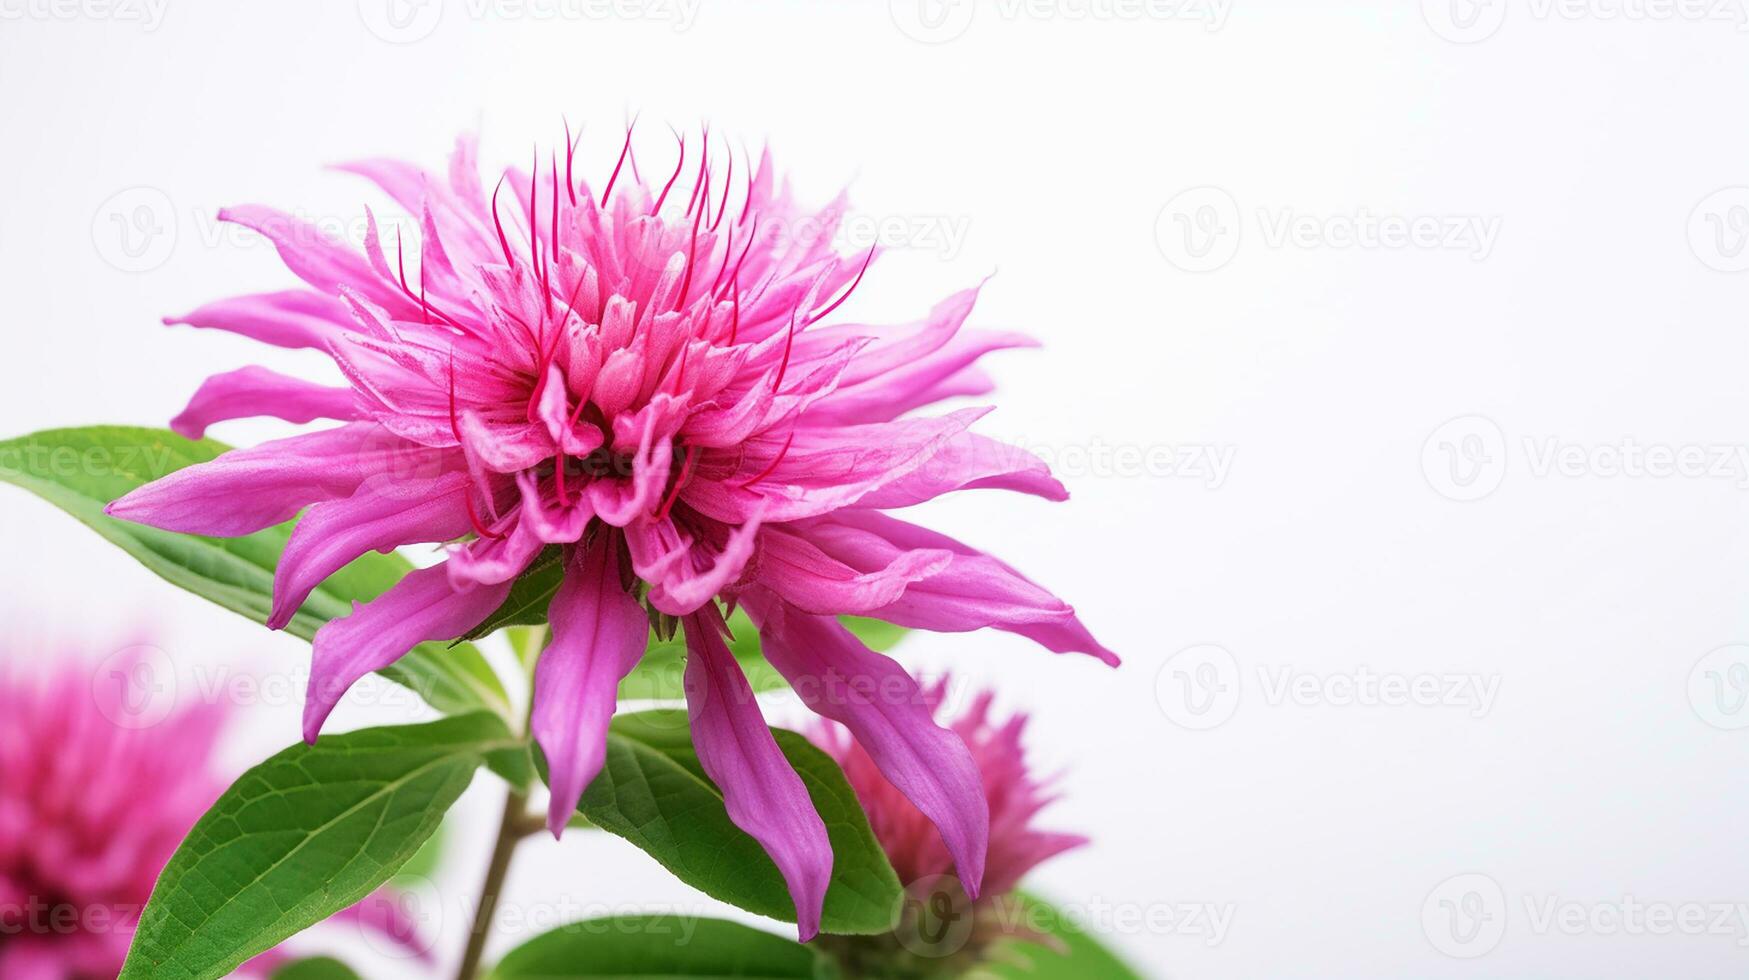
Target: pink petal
x,y
890,717
253,391
246,490
969,461
761,790
318,260
379,517
974,591
803,575
599,632
292,318
423,606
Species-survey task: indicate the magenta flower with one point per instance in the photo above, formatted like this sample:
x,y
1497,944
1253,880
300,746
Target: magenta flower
x,y
647,380
1015,795
98,785
89,812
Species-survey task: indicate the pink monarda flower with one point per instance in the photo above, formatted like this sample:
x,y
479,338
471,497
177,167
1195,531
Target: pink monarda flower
x,y
942,933
99,782
647,380
1014,794
90,809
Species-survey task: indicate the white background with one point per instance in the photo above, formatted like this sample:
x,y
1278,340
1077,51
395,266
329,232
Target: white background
x,y
1601,316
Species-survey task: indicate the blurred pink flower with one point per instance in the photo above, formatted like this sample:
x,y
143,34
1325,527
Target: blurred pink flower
x,y
1015,795
99,781
644,380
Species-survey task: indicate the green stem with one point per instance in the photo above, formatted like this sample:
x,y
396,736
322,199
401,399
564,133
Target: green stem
x,y
511,830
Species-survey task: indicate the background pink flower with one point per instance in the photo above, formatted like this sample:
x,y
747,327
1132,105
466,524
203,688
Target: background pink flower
x,y
100,780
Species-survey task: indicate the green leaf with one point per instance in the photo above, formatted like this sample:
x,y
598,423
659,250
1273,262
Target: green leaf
x,y
1077,955
530,594
315,968
659,675
81,470
667,946
301,836
653,792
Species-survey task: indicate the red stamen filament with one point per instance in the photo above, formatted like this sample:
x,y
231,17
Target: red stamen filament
x,y
781,453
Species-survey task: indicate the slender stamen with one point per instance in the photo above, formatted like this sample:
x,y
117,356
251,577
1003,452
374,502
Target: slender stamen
x,y
846,294
503,242
678,166
781,453
688,458
623,151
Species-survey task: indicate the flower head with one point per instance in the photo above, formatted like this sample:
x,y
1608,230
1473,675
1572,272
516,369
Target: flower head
x,y
93,801
100,779
647,380
942,932
1014,793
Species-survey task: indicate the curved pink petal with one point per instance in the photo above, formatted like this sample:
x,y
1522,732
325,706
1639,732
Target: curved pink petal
x,y
245,490
422,606
253,391
801,574
290,318
599,632
379,517
686,584
969,461
817,471
973,591
761,790
889,716
318,260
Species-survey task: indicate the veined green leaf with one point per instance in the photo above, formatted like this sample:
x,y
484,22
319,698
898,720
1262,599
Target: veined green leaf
x,y
301,836
653,792
666,946
82,470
